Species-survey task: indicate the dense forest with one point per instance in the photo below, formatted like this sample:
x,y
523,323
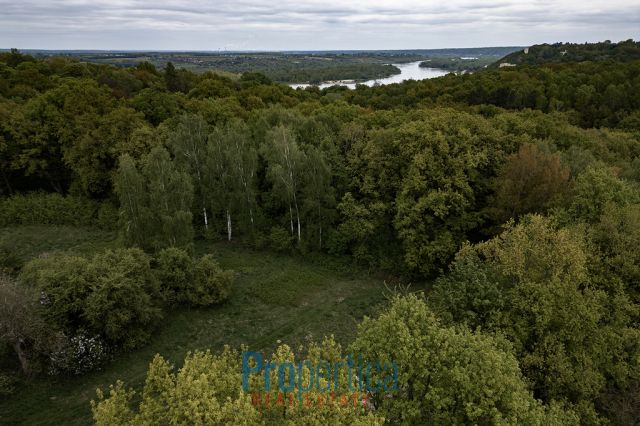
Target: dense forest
x,y
508,198
625,51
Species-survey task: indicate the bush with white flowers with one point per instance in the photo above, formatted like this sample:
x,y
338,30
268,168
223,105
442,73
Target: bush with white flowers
x,y
78,354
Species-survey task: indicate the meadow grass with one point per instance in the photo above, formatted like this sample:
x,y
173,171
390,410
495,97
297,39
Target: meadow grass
x,y
276,298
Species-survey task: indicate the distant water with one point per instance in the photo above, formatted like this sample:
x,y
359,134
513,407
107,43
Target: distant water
x,y
408,71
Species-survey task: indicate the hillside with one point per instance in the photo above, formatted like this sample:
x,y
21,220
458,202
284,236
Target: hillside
x,y
624,51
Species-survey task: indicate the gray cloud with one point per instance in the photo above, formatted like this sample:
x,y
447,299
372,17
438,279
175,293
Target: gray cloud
x,y
310,24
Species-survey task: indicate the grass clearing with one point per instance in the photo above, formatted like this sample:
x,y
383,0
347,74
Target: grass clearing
x,y
30,241
276,298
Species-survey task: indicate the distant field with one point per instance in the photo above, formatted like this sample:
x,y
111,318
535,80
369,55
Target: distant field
x,y
276,298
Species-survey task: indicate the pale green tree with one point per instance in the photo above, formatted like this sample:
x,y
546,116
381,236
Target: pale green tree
x,y
207,390
170,196
188,142
132,192
155,202
319,199
448,375
285,170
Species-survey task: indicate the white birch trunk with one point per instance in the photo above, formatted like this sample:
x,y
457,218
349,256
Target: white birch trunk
x,y
291,218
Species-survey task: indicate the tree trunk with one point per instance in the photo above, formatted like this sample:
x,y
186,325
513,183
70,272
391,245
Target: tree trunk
x,y
320,225
291,218
204,214
24,360
297,217
228,225
6,182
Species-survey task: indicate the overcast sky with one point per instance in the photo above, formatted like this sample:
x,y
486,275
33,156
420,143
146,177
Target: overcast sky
x,y
310,24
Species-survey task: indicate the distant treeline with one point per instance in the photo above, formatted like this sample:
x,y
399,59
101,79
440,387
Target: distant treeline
x,y
625,51
288,67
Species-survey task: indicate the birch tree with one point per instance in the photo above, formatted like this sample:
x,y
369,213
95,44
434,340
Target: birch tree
x,y
244,159
317,190
232,162
155,202
285,162
132,192
170,199
220,175
189,144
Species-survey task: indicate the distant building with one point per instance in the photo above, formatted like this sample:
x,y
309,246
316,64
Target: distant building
x,y
526,50
506,64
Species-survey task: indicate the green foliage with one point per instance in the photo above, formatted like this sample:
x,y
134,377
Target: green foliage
x,y
53,209
175,271
573,52
231,163
285,171
597,187
617,236
435,200
472,294
23,328
207,390
155,202
93,155
134,215
10,262
188,142
199,282
170,195
211,284
280,239
114,294
7,385
572,340
448,375
124,303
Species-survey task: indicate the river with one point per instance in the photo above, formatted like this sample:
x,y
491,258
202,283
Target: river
x,y
408,71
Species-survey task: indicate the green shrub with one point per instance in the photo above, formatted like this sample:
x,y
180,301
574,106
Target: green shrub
x,y
39,208
175,270
78,355
125,301
62,281
280,239
7,384
114,294
23,328
10,262
107,216
211,284
187,281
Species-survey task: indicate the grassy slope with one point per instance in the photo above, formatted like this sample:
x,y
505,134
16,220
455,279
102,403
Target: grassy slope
x,y
276,298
